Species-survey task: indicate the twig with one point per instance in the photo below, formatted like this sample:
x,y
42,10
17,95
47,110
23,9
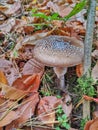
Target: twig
x,y
88,49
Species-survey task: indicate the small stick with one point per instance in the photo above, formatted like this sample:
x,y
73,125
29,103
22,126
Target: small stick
x,y
88,49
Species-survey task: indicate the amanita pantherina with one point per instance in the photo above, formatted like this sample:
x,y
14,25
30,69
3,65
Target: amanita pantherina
x,y
59,52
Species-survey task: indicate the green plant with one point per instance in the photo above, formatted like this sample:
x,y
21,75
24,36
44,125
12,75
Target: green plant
x,y
82,123
55,16
85,86
62,119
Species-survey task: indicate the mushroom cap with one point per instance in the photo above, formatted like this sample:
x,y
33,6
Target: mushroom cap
x,y
59,51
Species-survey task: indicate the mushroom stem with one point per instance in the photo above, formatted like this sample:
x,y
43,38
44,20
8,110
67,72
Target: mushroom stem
x,y
60,72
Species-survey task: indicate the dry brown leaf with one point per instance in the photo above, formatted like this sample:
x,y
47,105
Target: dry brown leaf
x,y
22,114
28,29
61,10
3,8
77,27
9,70
92,125
31,67
9,118
95,72
79,70
29,83
57,23
45,105
88,98
10,1
87,126
8,25
27,110
14,9
67,105
11,93
95,54
95,114
3,78
26,52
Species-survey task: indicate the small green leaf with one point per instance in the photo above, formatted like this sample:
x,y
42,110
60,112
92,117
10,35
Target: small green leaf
x,y
64,117
34,10
57,128
15,54
67,126
55,16
58,96
41,15
60,106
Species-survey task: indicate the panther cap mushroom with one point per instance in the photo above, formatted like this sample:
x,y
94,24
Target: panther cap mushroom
x,y
59,52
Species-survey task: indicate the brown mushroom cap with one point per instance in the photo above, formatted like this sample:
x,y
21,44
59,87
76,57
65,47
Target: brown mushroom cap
x,y
59,51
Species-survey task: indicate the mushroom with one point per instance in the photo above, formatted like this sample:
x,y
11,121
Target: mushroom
x,y
59,52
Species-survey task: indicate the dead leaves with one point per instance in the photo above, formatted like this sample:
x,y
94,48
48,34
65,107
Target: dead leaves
x,y
48,105
20,75
9,70
27,107
15,9
28,83
19,101
95,72
23,112
92,125
61,10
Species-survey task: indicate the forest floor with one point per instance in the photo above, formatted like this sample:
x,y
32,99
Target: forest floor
x,y
29,96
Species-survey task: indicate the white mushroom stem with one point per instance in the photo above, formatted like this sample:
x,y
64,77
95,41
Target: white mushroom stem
x,y
60,72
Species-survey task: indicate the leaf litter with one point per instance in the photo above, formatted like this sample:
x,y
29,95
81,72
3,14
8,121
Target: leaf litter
x,y
21,103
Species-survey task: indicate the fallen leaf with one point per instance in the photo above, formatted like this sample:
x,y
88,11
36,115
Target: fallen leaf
x,y
87,125
11,93
28,29
46,105
95,54
31,67
8,25
9,118
3,8
10,1
90,98
61,10
79,70
14,9
67,105
91,125
29,83
95,72
9,70
22,114
27,110
3,78
95,114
